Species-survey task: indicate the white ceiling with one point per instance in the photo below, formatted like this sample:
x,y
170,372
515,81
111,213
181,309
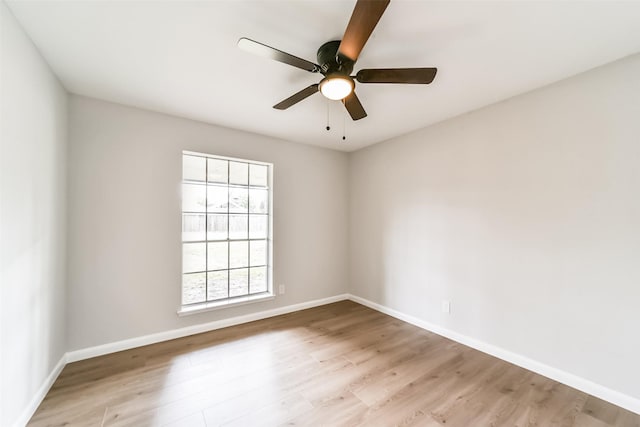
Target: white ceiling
x,y
180,57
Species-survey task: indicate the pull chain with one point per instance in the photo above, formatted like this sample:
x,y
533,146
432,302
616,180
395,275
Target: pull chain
x,y
328,127
344,127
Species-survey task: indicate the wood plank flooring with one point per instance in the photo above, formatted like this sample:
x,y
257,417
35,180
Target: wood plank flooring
x,y
340,364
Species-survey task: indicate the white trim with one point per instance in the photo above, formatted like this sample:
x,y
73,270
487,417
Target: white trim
x,y
227,303
38,397
233,159
99,350
86,353
580,383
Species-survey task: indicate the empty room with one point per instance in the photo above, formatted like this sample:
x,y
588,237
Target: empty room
x,y
320,213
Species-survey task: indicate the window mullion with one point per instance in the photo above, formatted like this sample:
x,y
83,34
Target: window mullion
x,y
248,231
228,231
206,229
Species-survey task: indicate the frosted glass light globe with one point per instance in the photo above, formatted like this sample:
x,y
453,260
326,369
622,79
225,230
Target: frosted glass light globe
x,y
336,87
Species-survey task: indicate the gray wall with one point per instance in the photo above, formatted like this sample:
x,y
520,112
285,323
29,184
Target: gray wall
x,y
525,215
124,216
33,162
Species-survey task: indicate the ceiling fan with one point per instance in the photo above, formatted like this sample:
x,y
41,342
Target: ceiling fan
x,y
337,58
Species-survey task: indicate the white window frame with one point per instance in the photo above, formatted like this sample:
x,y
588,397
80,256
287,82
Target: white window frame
x,y
228,301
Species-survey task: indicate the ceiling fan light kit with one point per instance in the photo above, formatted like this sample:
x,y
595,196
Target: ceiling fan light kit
x,y
336,86
337,58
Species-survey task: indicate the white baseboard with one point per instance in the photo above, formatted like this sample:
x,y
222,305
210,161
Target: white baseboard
x,y
556,374
37,398
86,353
582,384
99,350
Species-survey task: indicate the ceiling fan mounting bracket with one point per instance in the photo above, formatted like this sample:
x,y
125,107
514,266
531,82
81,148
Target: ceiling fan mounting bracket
x,y
332,63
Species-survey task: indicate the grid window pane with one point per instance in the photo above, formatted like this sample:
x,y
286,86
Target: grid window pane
x,y
194,168
193,288
193,227
238,226
194,198
238,200
193,257
238,282
217,256
258,200
238,173
217,227
257,280
217,285
218,171
225,228
258,252
258,226
258,175
217,199
238,254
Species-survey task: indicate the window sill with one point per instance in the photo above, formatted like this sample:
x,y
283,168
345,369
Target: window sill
x,y
218,305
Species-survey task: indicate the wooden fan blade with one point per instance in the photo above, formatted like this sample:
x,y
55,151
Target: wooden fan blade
x,y
297,97
397,75
364,19
260,49
354,107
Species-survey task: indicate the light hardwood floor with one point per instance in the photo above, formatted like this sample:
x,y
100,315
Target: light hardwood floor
x,y
337,365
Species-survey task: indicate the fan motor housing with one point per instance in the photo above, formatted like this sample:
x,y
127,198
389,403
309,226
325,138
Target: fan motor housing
x,y
332,63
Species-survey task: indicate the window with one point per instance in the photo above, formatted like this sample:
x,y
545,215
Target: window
x,y
226,225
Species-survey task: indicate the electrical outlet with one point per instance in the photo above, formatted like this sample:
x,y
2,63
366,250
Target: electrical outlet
x,y
281,290
446,306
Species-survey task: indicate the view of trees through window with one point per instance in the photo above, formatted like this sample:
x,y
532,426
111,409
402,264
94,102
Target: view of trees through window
x,y
225,228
